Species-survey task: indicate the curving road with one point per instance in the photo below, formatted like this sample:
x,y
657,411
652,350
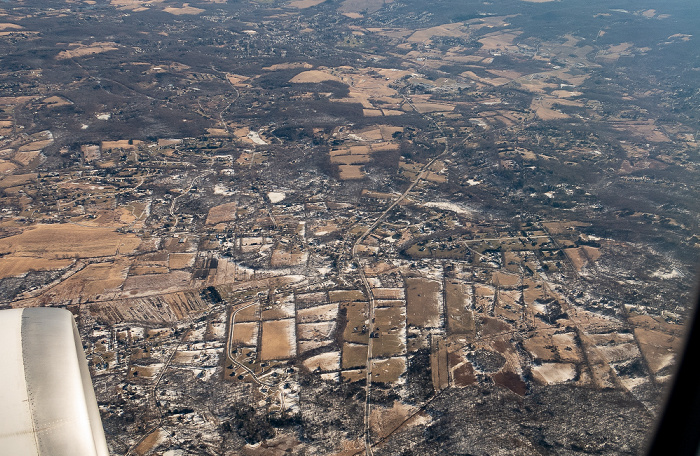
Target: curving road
x,y
229,344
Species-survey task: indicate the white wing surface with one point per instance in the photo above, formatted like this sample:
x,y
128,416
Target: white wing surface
x,y
47,403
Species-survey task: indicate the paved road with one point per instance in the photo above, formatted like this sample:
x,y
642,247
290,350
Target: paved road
x,y
229,344
421,175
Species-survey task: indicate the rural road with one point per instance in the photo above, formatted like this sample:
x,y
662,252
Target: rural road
x,y
229,344
421,175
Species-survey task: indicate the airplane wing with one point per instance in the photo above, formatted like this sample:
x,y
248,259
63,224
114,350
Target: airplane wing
x,y
47,402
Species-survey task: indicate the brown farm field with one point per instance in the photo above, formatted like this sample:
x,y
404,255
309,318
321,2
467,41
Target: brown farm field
x,y
388,370
26,157
308,345
283,258
181,260
143,285
223,213
120,144
356,314
251,313
389,318
423,302
388,293
458,297
464,375
452,30
658,348
245,333
61,241
81,50
354,355
325,362
499,41
94,282
148,269
553,373
147,444
279,310
508,306
390,325
185,9
278,339
325,312
315,331
313,76
567,347
345,295
351,159
385,419
163,308
15,266
540,347
6,168
351,172
354,375
390,344
505,280
311,299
